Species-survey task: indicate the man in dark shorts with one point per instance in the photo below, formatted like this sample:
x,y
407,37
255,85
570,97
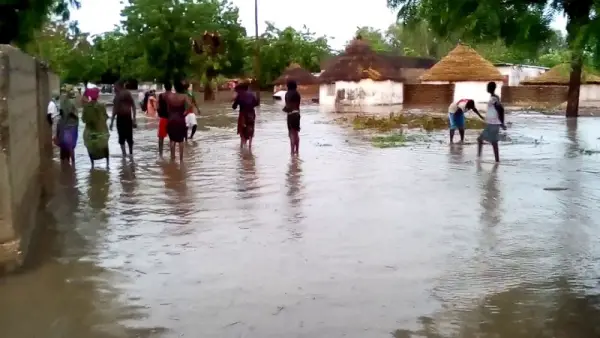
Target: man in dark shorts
x,y
494,121
292,108
124,112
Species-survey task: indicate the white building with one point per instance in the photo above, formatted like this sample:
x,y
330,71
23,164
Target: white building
x,y
559,75
360,77
514,74
468,71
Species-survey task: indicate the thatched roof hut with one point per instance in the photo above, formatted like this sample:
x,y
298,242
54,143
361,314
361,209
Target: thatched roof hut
x,y
296,73
360,62
462,64
559,75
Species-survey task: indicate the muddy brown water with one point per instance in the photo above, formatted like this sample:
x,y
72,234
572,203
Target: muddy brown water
x,y
347,240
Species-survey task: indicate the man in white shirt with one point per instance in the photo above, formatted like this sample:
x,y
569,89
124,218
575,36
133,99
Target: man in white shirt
x,y
494,119
52,111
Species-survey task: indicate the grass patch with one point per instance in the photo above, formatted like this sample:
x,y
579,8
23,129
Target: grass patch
x,y
411,121
395,140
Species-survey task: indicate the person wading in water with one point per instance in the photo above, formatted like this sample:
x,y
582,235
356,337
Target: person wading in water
x,y
163,115
456,117
292,108
124,112
178,105
494,119
246,101
95,134
67,129
190,119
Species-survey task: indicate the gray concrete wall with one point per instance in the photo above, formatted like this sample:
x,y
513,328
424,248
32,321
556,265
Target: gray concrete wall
x,y
25,150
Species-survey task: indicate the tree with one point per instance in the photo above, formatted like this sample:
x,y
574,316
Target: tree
x,y
19,19
523,24
280,47
164,33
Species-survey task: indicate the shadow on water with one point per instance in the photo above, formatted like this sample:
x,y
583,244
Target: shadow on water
x,y
558,308
490,199
247,181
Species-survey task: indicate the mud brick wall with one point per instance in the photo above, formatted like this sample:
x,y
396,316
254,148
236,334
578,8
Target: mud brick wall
x,y
534,94
25,148
428,94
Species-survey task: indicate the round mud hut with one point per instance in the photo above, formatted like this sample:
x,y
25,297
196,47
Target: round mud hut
x,y
468,71
559,76
359,76
307,82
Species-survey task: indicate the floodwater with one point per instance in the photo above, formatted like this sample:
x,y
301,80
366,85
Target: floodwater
x,y
347,240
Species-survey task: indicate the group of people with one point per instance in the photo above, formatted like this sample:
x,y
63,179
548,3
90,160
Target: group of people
x,y
177,115
176,112
247,102
494,120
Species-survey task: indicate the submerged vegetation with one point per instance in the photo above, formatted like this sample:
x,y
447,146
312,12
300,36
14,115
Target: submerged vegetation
x,y
396,140
411,121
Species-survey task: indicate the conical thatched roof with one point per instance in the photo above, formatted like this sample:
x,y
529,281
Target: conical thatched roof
x,y
360,62
463,63
296,73
559,75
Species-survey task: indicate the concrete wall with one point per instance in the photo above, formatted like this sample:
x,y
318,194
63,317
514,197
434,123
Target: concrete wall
x,y
518,73
364,93
25,149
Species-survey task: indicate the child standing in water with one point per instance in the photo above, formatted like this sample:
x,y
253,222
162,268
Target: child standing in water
x,y
292,108
494,119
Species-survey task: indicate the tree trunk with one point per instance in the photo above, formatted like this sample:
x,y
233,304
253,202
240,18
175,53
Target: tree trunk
x,y
574,86
209,93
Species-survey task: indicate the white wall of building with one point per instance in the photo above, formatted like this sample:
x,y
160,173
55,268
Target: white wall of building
x,y
589,92
518,73
366,92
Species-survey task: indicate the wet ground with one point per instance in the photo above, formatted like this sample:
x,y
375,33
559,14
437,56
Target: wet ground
x,y
348,240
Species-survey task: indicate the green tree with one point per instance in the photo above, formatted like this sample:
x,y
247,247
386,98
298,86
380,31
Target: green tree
x,y
280,47
19,19
164,32
523,24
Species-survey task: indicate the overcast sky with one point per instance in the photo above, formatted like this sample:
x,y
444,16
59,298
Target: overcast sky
x,y
335,18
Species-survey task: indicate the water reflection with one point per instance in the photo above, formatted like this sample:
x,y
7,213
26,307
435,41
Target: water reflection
x,y
247,180
490,198
456,156
98,188
557,308
294,194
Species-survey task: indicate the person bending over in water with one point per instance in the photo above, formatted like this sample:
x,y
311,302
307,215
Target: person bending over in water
x,y
246,101
124,112
456,117
494,119
292,108
163,115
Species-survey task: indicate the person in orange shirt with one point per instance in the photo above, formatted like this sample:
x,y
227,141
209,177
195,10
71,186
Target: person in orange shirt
x,y
152,108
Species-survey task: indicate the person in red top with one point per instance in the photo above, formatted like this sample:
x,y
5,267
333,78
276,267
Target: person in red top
x,y
163,115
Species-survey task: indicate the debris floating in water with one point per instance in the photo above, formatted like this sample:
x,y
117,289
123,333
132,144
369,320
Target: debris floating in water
x,y
556,189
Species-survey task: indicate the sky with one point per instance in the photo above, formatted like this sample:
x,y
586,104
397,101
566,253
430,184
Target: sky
x,y
337,19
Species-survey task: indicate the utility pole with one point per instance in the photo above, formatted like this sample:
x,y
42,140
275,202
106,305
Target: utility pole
x,y
257,55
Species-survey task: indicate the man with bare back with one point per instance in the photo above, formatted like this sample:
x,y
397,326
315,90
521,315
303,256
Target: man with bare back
x,y
124,112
